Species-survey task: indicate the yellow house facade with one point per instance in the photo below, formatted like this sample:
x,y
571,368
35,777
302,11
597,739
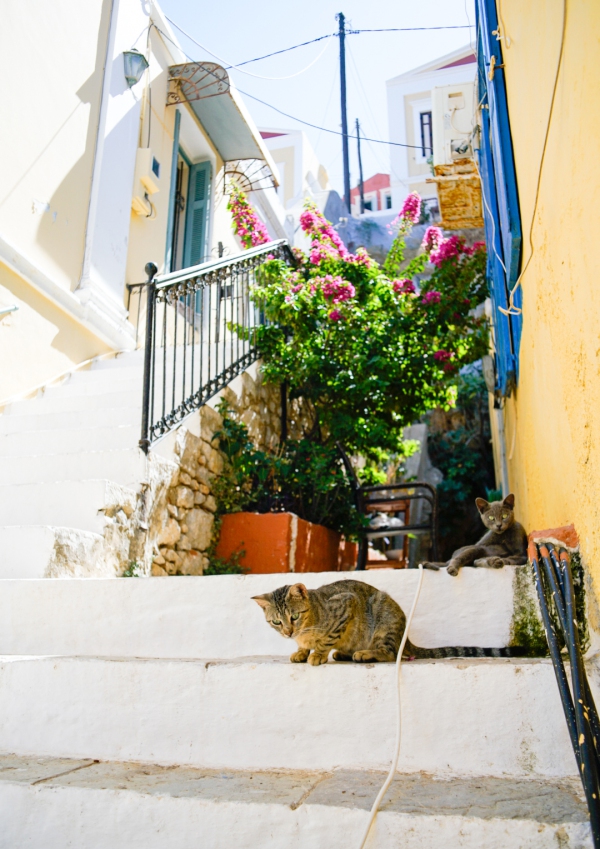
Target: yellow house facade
x,y
549,451
98,178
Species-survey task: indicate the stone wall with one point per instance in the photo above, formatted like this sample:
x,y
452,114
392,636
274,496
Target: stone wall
x,y
183,511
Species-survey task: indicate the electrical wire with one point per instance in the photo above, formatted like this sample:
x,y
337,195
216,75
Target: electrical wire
x,y
407,29
396,756
324,129
286,49
512,309
238,68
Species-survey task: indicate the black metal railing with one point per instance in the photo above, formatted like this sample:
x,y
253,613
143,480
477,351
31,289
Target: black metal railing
x,y
556,593
192,349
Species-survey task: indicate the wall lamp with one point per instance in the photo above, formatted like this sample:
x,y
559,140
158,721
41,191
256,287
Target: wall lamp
x,y
135,63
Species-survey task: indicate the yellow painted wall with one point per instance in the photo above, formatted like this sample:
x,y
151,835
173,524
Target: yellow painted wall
x,y
553,422
39,341
53,57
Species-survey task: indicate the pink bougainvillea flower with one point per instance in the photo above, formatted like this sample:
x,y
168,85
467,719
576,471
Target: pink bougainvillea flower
x,y
411,208
246,223
361,257
270,256
335,315
443,356
432,238
337,289
404,287
322,234
432,297
447,249
297,288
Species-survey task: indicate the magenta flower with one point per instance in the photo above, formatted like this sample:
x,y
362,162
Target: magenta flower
x,y
270,256
432,297
432,238
297,288
404,287
411,208
337,289
447,249
443,356
335,315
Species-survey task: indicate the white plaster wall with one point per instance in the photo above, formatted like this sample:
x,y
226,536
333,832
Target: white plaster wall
x,y
119,145
207,617
398,89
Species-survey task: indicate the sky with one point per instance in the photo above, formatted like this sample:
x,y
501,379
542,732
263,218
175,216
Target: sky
x,y
237,30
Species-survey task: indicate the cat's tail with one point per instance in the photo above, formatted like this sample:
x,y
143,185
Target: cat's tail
x,y
461,651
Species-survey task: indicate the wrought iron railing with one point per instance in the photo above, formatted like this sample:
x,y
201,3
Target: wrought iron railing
x,y
192,349
556,594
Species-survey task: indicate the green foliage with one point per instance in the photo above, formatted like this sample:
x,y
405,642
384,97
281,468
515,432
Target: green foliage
x,y
304,476
133,570
463,455
230,566
368,353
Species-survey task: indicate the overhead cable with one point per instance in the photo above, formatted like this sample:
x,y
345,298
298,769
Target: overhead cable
x,y
325,129
229,66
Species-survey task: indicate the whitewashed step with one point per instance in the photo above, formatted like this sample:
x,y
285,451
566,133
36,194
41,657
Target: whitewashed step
x,y
60,402
72,503
460,717
34,551
55,803
207,617
97,384
102,417
125,466
69,440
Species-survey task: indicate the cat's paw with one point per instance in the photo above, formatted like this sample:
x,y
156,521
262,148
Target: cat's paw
x,y
426,564
340,656
452,569
364,656
300,656
489,563
317,659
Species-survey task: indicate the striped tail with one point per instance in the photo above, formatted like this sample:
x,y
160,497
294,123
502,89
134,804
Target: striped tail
x,y
461,651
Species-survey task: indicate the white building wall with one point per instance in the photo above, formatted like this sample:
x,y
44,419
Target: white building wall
x,y
407,96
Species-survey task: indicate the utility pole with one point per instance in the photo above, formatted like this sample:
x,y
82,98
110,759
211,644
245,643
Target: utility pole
x,y
361,185
342,35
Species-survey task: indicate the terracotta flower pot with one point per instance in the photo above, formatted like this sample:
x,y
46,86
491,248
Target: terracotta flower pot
x,y
281,542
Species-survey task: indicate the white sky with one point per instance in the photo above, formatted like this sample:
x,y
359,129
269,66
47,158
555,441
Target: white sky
x,y
237,30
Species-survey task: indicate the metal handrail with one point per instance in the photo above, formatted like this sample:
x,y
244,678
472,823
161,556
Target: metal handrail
x,y
554,584
192,345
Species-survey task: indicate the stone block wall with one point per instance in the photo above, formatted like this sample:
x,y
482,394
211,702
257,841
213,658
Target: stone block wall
x,y
183,513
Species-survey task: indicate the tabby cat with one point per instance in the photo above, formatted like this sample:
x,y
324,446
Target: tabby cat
x,y
504,544
356,620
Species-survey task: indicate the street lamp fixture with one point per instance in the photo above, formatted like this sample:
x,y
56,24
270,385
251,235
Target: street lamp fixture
x,y
135,63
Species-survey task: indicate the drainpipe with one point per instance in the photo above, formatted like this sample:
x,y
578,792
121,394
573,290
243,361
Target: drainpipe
x,y
84,281
499,412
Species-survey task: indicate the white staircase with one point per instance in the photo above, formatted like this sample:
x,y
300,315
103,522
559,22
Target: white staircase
x,y
70,467
164,714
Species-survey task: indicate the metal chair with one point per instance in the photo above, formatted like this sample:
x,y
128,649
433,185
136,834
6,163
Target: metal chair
x,y
392,498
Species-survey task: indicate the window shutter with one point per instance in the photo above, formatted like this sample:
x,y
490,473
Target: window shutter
x,y
499,185
196,224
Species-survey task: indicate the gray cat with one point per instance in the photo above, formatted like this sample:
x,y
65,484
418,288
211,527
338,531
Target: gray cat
x,y
504,544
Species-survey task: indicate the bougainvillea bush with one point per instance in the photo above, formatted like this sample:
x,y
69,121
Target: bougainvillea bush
x,y
369,349
246,222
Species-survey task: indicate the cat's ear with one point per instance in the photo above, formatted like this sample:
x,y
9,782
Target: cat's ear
x,y
509,502
482,504
298,591
263,600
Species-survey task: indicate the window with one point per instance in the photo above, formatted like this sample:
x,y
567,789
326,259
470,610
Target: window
x,y
501,203
388,201
426,134
369,205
